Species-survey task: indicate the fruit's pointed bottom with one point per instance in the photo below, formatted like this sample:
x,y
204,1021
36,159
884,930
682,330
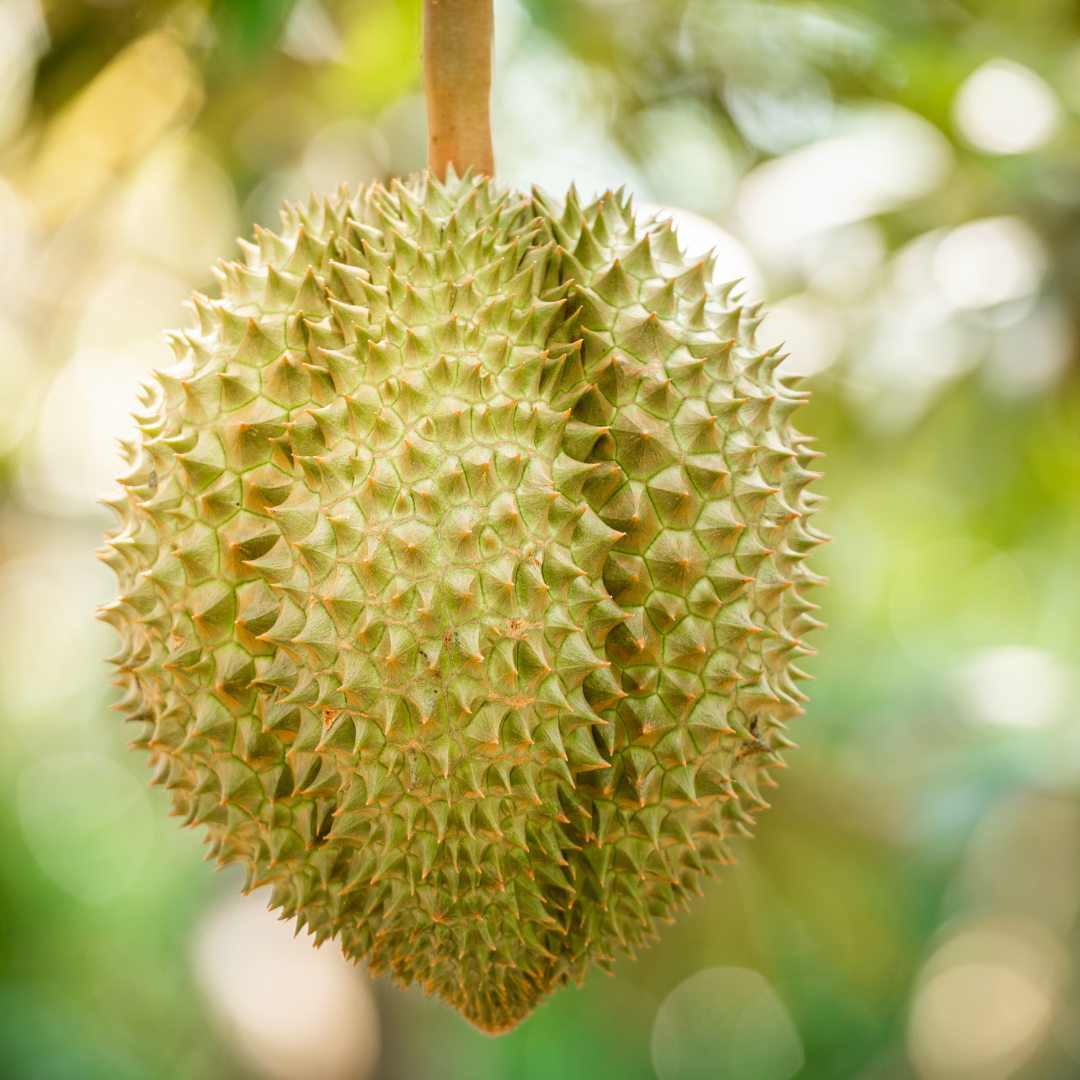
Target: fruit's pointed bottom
x,y
496,1027
491,1012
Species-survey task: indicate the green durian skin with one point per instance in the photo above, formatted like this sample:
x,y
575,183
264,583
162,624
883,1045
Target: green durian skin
x,y
461,567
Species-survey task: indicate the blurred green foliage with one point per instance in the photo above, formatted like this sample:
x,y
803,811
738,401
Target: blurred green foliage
x,y
953,443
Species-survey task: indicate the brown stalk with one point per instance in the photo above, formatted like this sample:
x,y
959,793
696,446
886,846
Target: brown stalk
x,y
457,80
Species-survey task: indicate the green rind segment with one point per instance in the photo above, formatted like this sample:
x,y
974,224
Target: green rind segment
x,y
461,564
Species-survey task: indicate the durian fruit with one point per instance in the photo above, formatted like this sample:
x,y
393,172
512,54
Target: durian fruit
x,y
461,568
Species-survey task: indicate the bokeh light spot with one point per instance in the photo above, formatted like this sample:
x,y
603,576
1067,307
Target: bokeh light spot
x,y
984,1002
293,1012
987,262
87,822
889,157
1015,686
1005,108
725,1023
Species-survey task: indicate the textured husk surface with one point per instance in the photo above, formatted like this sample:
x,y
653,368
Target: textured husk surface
x,y
461,565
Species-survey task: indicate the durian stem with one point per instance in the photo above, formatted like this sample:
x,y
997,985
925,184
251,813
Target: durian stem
x,y
457,79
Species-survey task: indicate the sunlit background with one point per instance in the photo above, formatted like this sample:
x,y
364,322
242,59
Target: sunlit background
x,y
900,179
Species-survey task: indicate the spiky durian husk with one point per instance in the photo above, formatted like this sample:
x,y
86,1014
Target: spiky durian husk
x,y
461,566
